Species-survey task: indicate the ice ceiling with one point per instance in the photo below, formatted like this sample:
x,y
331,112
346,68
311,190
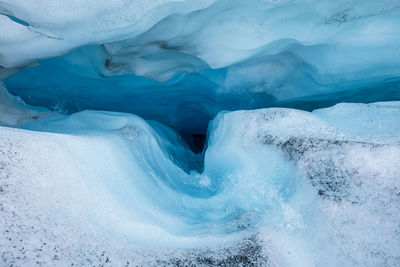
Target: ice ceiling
x,y
109,103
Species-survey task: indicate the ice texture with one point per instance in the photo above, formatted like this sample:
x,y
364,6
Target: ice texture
x,y
278,187
181,62
14,111
104,107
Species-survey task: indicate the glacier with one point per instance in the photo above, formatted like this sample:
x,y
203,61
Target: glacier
x,y
199,133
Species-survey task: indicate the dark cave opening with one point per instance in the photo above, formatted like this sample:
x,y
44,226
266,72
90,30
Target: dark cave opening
x,y
196,142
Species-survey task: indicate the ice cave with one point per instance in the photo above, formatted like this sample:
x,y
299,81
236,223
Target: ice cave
x,y
199,133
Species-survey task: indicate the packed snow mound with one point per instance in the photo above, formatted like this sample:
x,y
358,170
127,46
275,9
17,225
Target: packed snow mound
x,y
181,62
277,187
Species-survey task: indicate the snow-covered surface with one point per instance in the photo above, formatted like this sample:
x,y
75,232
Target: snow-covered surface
x,y
280,187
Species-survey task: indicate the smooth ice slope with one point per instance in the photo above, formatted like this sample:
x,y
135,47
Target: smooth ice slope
x,y
181,62
279,186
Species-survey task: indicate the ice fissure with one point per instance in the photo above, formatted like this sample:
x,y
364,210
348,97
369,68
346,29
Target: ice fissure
x,y
199,133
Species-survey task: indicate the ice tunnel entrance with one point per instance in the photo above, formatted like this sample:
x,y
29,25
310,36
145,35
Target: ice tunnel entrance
x,y
196,142
191,93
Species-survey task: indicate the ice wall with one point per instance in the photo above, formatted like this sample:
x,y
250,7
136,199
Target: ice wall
x,y
183,62
15,112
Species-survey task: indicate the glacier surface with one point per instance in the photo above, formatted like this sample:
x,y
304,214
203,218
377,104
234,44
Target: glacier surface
x,y
277,187
199,132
